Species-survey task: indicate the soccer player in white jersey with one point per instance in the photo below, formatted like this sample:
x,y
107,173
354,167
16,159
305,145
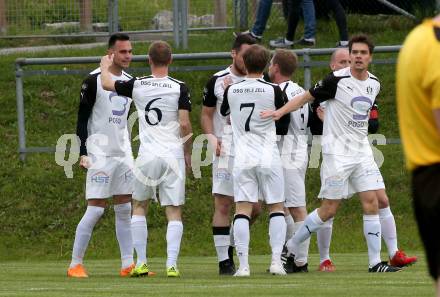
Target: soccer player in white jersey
x,y
347,156
163,105
106,153
257,167
294,153
214,125
341,59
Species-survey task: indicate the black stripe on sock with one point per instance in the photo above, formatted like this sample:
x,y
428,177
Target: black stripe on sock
x,y
241,216
221,230
276,214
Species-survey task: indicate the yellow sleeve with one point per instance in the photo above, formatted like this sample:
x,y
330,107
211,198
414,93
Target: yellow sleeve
x,y
431,83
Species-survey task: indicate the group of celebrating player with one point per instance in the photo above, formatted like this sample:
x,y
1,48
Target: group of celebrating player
x,y
258,124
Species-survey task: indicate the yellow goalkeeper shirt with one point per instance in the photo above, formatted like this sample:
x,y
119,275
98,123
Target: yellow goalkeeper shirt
x,y
418,94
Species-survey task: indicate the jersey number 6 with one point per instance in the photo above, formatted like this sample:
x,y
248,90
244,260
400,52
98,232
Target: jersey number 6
x,y
158,116
247,105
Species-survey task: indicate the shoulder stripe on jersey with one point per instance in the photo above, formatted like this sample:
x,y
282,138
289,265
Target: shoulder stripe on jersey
x,y
127,75
265,82
237,82
437,33
144,77
375,78
341,77
285,87
175,80
220,75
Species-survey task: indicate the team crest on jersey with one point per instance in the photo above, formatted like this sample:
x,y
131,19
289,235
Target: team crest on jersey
x,y
369,90
119,104
361,105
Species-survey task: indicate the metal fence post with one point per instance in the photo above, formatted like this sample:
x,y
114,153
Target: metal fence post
x,y
243,8
176,18
20,112
3,20
184,23
307,69
113,15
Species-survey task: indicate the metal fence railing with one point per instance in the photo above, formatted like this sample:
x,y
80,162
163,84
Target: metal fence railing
x,y
21,72
78,18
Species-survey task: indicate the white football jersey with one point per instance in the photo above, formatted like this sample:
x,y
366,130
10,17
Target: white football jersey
x,y
349,101
106,116
213,97
254,138
158,101
295,142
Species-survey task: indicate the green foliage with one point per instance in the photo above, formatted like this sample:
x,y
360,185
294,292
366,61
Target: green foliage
x,y
40,207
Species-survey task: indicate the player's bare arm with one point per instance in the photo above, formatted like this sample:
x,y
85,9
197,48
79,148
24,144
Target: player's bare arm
x,y
292,105
186,133
106,79
208,128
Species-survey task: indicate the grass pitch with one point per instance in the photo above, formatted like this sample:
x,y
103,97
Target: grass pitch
x,y
200,278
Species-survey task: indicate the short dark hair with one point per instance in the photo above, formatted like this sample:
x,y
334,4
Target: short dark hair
x,y
286,60
361,38
160,53
243,39
115,37
256,58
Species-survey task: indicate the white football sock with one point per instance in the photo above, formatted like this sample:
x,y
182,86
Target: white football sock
x,y
241,235
123,232
324,237
372,235
277,234
222,241
84,232
139,231
231,234
289,227
388,228
312,223
174,238
302,252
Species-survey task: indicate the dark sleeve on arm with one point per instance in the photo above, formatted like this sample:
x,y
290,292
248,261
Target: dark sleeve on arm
x,y
125,87
315,124
282,125
87,100
325,89
224,108
373,121
184,99
209,98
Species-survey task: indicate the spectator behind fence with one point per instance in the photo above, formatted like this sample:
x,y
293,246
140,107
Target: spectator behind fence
x,y
263,13
309,24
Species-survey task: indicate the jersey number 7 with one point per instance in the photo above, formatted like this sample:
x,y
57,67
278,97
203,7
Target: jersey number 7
x,y
247,105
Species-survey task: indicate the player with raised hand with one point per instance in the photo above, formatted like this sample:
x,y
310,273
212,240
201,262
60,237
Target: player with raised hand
x,y
214,125
341,59
163,105
106,153
257,167
347,156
